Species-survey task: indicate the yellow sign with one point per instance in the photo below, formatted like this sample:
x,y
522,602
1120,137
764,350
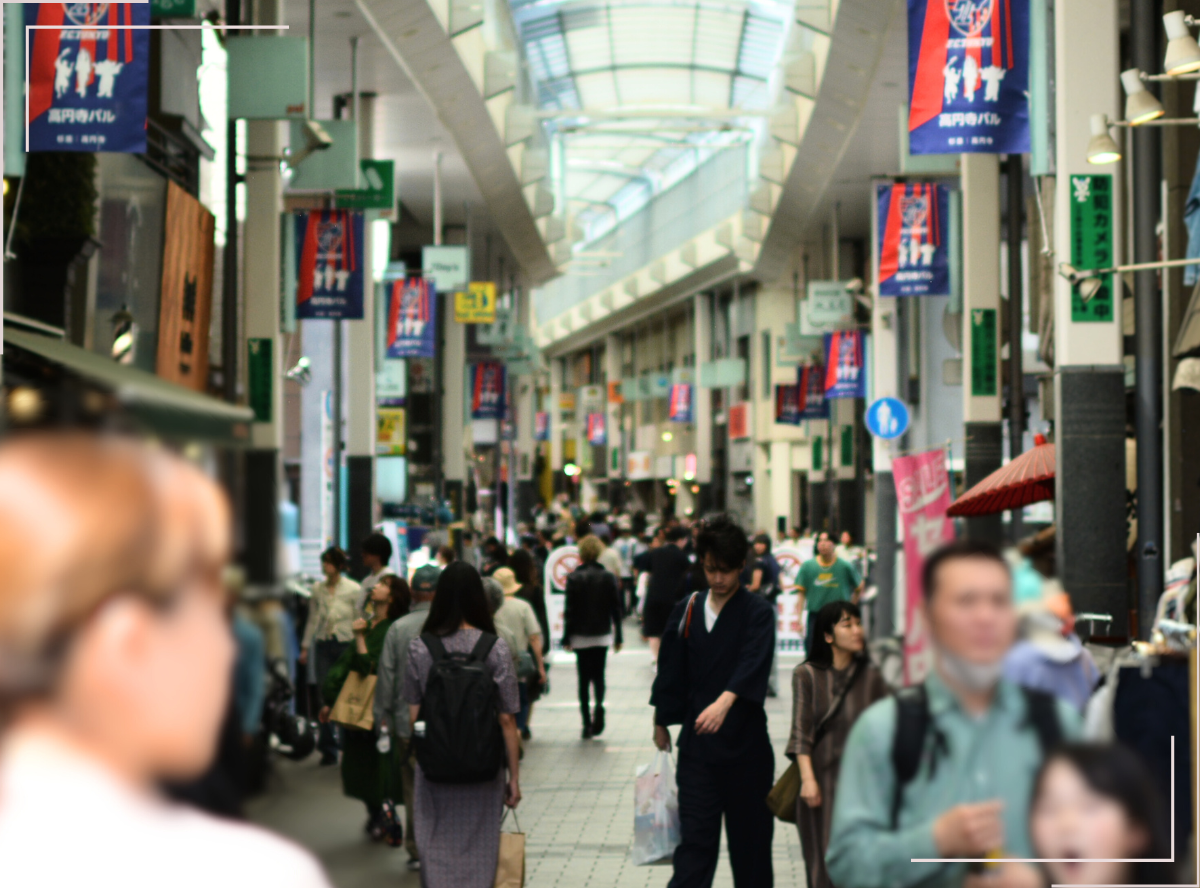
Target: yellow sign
x,y
477,305
391,438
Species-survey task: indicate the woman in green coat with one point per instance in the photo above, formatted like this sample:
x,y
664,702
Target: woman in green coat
x,y
367,774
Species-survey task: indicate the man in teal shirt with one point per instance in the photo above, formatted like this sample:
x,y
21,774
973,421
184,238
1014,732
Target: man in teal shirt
x,y
824,579
970,795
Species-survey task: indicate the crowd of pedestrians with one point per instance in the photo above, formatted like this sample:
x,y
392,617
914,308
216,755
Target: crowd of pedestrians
x,y
117,657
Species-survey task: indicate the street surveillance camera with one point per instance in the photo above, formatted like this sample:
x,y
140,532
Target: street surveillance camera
x,y
315,139
302,372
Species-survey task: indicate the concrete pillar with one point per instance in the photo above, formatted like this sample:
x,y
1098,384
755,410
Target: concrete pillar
x,y
614,471
981,330
264,202
1089,385
885,382
781,485
556,414
359,388
525,404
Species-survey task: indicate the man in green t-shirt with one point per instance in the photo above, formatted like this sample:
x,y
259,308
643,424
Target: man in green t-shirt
x,y
824,579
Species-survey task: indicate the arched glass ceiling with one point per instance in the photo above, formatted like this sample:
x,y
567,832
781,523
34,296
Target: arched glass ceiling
x,y
636,93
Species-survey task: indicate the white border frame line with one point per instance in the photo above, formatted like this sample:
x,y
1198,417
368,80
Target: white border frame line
x,y
29,28
1171,859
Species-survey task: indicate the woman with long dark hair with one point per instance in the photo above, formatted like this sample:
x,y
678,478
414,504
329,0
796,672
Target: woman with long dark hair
x,y
830,690
458,824
1094,804
366,773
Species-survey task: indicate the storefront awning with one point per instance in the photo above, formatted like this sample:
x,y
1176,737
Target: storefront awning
x,y
164,408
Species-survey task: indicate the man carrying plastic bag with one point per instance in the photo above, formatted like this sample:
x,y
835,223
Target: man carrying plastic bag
x,y
655,812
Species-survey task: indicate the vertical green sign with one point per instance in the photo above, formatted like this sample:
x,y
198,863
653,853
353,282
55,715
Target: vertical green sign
x,y
261,370
847,443
983,351
817,455
1092,243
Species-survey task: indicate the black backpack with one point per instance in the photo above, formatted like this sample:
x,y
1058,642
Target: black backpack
x,y
462,741
912,723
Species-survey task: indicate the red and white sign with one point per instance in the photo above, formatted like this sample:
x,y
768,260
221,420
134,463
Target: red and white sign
x,y
639,465
559,565
923,495
739,421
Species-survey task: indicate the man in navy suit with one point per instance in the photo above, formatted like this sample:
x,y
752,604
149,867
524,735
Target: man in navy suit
x,y
712,679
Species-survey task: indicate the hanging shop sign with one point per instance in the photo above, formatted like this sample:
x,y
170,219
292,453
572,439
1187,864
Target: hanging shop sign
x,y
983,351
787,404
391,436
566,401
811,382
680,407
827,306
639,465
923,496
541,426
447,267
845,365
739,421
487,390
615,395
914,239
596,432
329,272
476,304
1092,243
412,318
186,306
173,8
87,82
260,371
968,76
379,177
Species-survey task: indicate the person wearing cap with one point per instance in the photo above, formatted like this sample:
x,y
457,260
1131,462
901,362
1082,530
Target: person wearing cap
x,y
519,618
390,707
1049,655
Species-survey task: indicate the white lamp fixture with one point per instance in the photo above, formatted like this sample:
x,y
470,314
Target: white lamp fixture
x,y
1183,53
1140,104
1102,149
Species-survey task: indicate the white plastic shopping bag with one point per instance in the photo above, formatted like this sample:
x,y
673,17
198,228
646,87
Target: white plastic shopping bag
x,y
655,812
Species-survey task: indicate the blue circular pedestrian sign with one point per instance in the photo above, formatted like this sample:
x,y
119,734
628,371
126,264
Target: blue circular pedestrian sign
x,y
887,418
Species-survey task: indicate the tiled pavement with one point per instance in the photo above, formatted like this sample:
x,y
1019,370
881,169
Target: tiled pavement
x,y
577,811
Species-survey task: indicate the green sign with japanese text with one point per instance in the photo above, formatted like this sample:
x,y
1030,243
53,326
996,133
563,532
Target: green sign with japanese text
x,y
983,351
173,8
379,193
261,371
1092,243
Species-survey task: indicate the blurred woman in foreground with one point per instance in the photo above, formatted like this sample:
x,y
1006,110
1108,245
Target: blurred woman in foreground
x,y
115,656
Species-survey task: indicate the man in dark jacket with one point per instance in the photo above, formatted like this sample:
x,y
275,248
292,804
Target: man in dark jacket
x,y
668,566
592,612
712,680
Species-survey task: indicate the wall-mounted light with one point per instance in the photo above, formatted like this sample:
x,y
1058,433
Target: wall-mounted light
x,y
570,470
1140,104
1183,53
1101,147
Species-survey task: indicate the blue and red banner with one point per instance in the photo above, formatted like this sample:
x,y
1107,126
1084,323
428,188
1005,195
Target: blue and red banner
x,y
541,426
788,404
845,365
679,406
88,79
968,76
596,433
329,272
914,239
412,316
811,383
487,390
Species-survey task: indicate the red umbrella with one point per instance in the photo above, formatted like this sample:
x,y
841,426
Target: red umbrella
x,y
1027,479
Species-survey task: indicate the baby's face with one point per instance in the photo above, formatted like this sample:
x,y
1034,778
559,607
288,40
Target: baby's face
x,y
1071,820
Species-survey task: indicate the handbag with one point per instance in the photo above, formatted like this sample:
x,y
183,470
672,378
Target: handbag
x,y
355,702
526,667
510,864
785,793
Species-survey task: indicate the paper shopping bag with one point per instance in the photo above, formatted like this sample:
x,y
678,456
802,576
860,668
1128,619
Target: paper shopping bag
x,y
353,708
510,867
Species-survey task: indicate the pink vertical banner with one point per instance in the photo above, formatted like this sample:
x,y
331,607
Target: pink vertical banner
x,y
923,495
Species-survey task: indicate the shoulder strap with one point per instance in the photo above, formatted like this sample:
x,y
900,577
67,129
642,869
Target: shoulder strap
x,y
859,668
912,721
483,647
1042,709
437,650
685,624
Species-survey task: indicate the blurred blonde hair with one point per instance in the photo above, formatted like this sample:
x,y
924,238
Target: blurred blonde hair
x,y
83,519
590,547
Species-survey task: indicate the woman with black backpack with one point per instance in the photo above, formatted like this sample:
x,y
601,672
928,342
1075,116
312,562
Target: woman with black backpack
x,y
462,690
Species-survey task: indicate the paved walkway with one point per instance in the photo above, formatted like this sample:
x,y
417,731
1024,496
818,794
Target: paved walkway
x,y
577,810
